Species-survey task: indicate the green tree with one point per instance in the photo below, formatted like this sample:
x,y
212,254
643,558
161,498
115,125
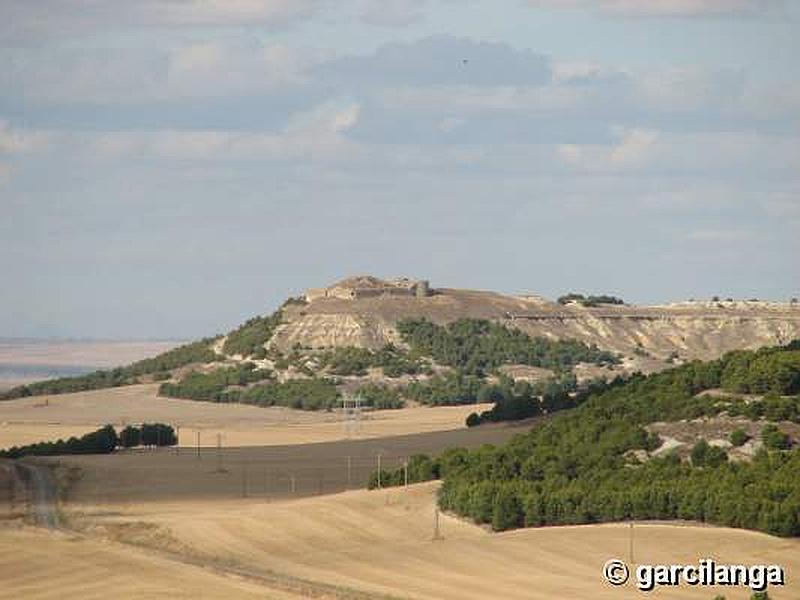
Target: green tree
x,y
130,436
507,511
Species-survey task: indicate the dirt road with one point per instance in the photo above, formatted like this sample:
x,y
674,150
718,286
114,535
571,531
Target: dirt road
x,y
42,493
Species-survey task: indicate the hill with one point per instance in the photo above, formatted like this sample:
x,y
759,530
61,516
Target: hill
x,y
702,330
400,341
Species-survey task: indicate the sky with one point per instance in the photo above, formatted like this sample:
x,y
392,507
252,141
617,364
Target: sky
x,y
169,168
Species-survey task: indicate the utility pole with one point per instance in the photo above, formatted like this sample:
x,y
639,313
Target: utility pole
x,y
292,484
266,483
630,545
379,471
436,532
219,454
198,444
405,473
349,471
177,439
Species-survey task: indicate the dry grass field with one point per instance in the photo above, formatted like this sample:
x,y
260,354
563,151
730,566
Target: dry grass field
x,y
42,565
40,418
381,542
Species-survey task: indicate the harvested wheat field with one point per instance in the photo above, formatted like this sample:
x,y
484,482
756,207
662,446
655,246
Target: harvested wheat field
x,y
41,565
28,420
288,471
381,542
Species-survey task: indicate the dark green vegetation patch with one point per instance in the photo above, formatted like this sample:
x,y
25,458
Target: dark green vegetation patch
x,y
578,466
249,338
213,386
478,346
102,441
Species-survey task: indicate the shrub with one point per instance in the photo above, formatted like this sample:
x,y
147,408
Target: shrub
x,y
774,438
157,434
738,437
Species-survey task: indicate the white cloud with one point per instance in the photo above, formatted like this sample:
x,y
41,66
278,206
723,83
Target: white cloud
x,y
666,8
212,69
222,12
317,134
633,149
216,145
328,118
22,18
111,76
441,60
637,149
197,57
392,13
569,72
15,141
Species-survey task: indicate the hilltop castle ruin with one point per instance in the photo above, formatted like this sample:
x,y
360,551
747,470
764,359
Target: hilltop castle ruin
x,y
366,286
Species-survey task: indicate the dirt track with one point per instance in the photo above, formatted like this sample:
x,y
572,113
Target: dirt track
x,y
41,490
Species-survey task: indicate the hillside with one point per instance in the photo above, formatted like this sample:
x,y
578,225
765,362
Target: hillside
x,y
617,456
702,330
403,340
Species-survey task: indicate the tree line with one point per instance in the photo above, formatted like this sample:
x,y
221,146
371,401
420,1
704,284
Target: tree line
x,y
589,301
102,441
159,367
517,400
213,385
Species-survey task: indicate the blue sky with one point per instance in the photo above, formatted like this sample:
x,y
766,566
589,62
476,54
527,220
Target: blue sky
x,y
169,168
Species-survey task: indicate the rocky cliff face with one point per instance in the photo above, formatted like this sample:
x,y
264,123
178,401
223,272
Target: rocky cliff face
x,y
690,330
